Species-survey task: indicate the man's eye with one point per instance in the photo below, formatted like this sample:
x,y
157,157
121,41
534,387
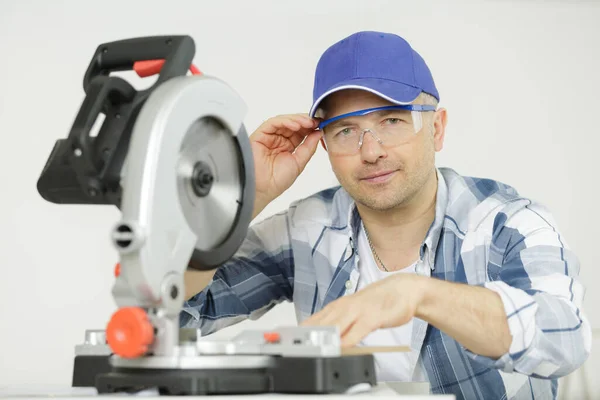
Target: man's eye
x,y
393,121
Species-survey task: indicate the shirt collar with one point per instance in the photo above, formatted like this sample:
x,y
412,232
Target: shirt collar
x,y
433,234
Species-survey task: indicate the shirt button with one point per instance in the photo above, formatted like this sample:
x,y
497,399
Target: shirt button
x,y
348,285
348,253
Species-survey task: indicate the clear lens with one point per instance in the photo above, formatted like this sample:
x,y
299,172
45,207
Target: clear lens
x,y
417,118
391,128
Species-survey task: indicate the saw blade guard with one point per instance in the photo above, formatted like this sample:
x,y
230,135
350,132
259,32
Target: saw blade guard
x,y
187,190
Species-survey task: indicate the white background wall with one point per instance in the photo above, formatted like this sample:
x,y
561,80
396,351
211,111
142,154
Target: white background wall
x,y
519,78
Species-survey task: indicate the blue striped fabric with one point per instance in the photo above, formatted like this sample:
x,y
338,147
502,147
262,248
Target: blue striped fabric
x,y
484,234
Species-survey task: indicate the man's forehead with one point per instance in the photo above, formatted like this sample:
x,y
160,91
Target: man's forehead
x,y
354,119
350,100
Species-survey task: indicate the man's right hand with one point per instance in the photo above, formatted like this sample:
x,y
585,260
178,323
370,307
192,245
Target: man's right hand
x,y
279,156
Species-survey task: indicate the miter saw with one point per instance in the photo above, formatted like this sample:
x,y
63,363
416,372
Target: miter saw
x,y
176,161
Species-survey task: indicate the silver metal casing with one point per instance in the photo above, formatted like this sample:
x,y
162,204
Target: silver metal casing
x,y
159,238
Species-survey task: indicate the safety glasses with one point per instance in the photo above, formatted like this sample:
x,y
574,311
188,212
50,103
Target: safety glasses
x,y
390,126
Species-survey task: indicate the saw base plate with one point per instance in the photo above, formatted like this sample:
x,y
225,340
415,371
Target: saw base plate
x,y
290,375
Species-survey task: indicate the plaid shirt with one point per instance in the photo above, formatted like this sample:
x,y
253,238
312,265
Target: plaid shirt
x,y
484,233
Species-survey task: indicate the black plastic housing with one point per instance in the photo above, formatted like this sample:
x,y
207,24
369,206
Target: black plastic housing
x,y
85,169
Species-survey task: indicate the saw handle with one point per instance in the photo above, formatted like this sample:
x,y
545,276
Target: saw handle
x,y
153,67
176,51
84,155
86,169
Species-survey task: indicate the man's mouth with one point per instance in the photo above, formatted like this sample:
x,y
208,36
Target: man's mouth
x,y
379,177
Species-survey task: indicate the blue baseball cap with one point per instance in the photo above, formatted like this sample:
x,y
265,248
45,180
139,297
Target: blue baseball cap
x,y
382,63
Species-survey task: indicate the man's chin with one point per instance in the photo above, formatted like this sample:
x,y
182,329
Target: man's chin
x,y
379,203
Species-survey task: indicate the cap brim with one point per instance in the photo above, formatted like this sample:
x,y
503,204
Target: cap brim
x,y
394,92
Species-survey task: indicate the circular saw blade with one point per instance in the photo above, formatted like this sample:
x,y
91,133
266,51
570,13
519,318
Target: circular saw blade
x,y
209,183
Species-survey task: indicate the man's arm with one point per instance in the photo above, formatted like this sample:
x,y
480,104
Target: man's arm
x,y
472,315
528,318
196,280
251,283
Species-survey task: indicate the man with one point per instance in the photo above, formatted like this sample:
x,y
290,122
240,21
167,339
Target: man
x,y
474,276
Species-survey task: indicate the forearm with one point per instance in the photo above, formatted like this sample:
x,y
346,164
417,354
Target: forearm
x,y
472,315
258,275
245,287
260,202
196,281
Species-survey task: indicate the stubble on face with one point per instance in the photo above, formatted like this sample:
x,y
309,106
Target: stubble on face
x,y
407,180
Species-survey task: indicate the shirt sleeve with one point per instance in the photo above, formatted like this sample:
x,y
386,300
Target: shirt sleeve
x,y
258,277
536,275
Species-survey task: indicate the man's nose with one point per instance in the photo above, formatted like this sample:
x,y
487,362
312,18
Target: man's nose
x,y
371,149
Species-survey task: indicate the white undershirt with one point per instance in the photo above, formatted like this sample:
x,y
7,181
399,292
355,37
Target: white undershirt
x,y
389,367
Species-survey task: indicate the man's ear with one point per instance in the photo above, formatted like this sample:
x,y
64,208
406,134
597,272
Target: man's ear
x,y
440,120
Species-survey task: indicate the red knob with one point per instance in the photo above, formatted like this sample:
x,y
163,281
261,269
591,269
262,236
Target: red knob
x,y
129,332
271,337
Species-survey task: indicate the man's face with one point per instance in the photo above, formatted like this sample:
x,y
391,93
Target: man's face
x,y
379,176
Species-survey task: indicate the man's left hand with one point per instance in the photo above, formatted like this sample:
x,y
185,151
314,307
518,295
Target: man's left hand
x,y
388,303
